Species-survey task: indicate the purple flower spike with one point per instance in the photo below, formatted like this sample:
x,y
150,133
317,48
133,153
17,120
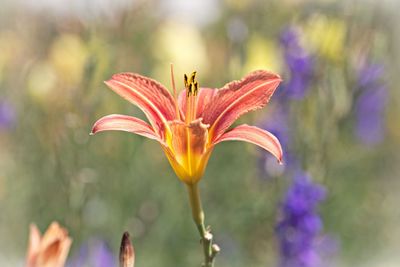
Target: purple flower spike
x,y
95,253
369,75
7,115
102,255
289,38
278,125
370,105
299,64
300,224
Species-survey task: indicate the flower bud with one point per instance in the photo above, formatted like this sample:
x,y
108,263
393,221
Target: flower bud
x,y
126,253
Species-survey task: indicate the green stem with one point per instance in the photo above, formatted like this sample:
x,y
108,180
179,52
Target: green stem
x,y
210,250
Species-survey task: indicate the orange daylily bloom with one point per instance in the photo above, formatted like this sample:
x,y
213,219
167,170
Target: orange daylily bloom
x,y
189,126
49,250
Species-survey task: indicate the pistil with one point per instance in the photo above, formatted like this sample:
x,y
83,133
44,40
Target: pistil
x,y
175,93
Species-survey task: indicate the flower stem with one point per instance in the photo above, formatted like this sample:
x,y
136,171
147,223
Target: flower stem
x,y
210,250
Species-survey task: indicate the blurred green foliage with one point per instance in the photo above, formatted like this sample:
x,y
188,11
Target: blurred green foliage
x,y
52,67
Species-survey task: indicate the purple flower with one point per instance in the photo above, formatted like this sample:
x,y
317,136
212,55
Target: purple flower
x,y
95,253
299,63
369,75
370,105
300,66
300,224
7,115
278,124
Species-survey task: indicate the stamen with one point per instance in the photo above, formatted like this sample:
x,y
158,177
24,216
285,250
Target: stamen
x,y
196,88
192,88
189,104
192,77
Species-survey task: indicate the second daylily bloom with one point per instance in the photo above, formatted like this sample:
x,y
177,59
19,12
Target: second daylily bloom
x,y
190,125
49,250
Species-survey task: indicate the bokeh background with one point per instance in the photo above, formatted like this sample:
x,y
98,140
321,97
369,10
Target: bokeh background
x,y
336,113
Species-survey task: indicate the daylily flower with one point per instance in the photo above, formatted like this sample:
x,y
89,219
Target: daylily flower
x,y
190,125
49,250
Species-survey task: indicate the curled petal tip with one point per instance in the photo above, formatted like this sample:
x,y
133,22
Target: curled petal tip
x,y
110,82
93,131
278,79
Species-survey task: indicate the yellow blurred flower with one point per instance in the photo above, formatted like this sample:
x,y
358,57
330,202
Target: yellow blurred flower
x,y
327,36
238,5
41,81
68,54
10,45
181,44
261,54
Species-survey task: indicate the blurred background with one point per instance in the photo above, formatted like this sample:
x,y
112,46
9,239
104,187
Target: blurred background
x,y
336,114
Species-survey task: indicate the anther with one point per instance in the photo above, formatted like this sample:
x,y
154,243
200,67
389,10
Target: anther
x,y
196,88
192,77
185,80
191,85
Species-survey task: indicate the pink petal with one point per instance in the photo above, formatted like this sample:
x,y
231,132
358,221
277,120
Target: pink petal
x,y
125,123
237,98
256,136
203,97
182,102
149,95
33,245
